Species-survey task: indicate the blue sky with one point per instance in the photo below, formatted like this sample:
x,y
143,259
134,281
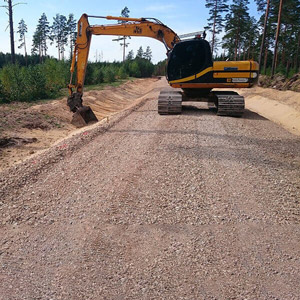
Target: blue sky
x,y
182,16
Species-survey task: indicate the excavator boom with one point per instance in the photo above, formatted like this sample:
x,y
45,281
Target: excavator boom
x,y
127,27
131,27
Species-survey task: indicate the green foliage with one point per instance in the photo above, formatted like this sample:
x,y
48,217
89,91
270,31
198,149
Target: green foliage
x,y
125,12
122,73
160,68
40,37
59,34
41,81
71,32
33,82
57,75
236,26
109,74
130,55
140,53
147,54
22,29
22,84
215,21
134,69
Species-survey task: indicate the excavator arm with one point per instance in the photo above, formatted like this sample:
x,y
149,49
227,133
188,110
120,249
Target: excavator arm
x,y
127,27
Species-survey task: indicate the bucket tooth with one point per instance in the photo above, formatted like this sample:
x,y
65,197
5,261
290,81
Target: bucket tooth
x,y
83,116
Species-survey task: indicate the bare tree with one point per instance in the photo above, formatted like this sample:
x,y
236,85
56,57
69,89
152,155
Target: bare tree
x,y
9,8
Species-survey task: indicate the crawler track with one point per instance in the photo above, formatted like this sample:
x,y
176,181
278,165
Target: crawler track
x,y
229,104
170,102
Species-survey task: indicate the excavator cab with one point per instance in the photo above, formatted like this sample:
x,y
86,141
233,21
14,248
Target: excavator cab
x,y
188,58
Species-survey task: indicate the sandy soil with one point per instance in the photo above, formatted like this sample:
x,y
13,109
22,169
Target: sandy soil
x,y
192,206
49,122
281,107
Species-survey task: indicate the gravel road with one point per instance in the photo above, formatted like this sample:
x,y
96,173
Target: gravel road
x,y
193,206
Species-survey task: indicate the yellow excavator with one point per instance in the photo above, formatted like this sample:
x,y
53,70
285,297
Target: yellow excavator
x,y
190,69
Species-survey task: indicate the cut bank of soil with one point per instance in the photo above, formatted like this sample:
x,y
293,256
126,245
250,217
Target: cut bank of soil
x,y
36,127
281,107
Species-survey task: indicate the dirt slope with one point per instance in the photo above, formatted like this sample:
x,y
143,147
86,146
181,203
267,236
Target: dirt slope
x,y
282,107
29,129
156,207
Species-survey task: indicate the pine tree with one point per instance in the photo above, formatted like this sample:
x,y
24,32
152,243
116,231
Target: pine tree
x,y
130,55
44,30
59,34
71,24
22,30
147,54
140,53
236,25
125,14
215,21
40,37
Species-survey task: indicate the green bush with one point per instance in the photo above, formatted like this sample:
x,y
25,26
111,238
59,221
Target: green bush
x,y
134,69
122,73
109,74
57,75
98,75
1,93
33,82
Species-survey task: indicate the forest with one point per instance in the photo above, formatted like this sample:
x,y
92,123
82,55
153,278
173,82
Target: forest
x,y
273,40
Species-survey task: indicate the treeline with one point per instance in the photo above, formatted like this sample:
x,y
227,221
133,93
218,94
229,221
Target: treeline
x,y
247,38
62,33
19,82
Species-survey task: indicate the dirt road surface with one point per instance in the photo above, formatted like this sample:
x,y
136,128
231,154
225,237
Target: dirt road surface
x,y
193,206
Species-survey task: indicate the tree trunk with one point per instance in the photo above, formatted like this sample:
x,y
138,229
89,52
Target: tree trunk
x,y
265,60
237,41
297,53
214,28
287,67
25,49
124,45
283,48
264,35
276,41
11,29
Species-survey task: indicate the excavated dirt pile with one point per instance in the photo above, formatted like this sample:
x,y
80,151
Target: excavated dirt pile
x,y
280,82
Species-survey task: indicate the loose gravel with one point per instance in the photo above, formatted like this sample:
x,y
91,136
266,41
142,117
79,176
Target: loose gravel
x,y
193,206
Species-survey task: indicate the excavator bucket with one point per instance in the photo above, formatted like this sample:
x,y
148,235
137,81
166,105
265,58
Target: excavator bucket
x,y
83,116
